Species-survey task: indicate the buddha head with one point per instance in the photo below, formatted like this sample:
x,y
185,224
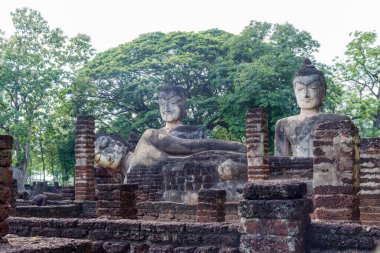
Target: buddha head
x,y
172,103
110,150
310,87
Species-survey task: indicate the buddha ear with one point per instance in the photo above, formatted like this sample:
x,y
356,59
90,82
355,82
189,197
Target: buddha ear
x,y
183,112
324,95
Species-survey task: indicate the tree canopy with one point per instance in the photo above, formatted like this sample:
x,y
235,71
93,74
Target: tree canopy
x,y
359,73
47,79
37,64
223,74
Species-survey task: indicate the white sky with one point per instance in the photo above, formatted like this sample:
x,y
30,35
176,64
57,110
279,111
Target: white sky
x,y
113,22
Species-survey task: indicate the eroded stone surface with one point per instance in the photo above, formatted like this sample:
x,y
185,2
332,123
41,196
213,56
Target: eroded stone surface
x,y
257,144
84,158
369,193
294,135
274,189
336,171
6,143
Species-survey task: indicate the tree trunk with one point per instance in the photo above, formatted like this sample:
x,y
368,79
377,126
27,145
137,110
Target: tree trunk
x,y
43,159
377,122
27,153
52,164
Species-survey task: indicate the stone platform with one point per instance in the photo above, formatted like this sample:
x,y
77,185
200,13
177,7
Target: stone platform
x,y
136,236
17,244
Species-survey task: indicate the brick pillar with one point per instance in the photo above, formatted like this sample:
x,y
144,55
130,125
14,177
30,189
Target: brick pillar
x,y
116,201
369,194
257,144
211,205
6,143
14,194
84,158
336,171
274,216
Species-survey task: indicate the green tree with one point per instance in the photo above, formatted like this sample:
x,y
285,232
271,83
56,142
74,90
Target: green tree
x,y
122,82
37,64
359,72
258,72
223,75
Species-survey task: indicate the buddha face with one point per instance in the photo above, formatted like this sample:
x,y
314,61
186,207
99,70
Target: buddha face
x,y
310,92
171,107
109,153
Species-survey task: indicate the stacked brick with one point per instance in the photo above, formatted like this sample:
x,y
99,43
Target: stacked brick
x,y
211,205
166,211
116,201
84,158
68,193
257,144
369,194
149,180
14,194
336,171
274,216
291,167
6,143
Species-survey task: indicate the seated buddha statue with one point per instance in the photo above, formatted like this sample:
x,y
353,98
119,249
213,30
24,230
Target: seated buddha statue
x,y
294,135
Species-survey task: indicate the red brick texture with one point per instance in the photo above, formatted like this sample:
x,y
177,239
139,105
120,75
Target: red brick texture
x,y
116,201
257,144
369,193
84,157
6,143
274,216
211,205
336,172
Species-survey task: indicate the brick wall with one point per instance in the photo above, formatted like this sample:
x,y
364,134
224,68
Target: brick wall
x,y
211,205
282,167
179,181
141,236
343,238
166,211
257,144
84,158
336,171
116,201
6,143
369,194
274,216
57,209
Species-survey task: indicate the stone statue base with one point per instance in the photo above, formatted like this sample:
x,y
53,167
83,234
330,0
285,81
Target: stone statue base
x,y
180,179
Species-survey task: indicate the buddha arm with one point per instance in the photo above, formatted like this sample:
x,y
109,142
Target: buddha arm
x,y
178,146
281,142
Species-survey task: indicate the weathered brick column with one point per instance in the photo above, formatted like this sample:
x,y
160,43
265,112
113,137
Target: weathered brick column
x,y
116,201
274,216
6,143
211,205
14,193
369,194
84,158
336,171
257,144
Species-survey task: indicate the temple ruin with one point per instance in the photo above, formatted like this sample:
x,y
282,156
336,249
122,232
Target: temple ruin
x,y
204,195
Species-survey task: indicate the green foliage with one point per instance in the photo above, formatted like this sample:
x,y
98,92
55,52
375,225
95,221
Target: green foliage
x,y
223,75
46,81
126,78
359,73
37,64
261,62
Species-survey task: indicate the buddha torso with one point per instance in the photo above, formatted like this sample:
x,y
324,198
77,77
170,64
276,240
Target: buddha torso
x,y
295,134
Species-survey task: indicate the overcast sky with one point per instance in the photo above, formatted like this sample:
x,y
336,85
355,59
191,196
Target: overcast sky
x,y
113,22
